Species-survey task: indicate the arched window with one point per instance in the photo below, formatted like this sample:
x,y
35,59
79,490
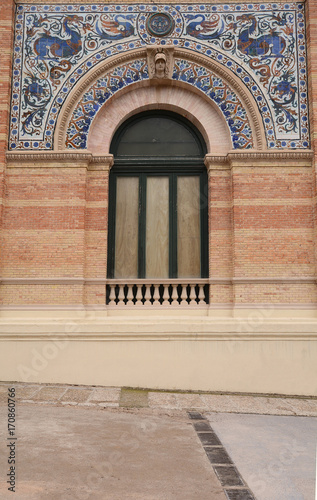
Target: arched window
x,y
158,202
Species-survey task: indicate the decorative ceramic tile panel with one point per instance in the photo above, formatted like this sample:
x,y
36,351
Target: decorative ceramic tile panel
x,y
185,71
263,44
225,98
97,95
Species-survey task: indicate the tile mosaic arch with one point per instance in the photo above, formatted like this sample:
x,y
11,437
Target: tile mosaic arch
x,y
263,44
213,86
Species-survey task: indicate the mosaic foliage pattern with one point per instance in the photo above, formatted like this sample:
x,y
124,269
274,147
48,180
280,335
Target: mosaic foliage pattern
x,y
266,43
228,102
105,87
97,95
263,44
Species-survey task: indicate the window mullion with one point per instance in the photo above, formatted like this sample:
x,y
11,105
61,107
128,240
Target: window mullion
x,y
142,226
173,271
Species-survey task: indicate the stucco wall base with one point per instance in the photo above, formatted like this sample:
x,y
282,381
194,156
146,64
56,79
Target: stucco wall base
x,y
277,356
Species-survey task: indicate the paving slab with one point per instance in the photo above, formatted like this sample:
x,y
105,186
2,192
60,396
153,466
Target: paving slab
x,y
162,400
89,453
76,395
27,391
275,455
246,404
105,394
49,394
133,398
189,401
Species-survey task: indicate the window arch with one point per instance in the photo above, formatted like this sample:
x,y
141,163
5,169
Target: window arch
x,y
158,200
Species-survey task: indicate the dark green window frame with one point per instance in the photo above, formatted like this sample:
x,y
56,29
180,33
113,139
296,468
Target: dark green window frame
x,y
143,167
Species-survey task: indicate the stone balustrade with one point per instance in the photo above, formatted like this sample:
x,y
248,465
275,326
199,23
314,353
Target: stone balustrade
x,y
173,292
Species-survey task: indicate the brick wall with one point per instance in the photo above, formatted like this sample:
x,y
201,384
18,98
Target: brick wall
x,y
272,222
43,223
311,23
262,221
6,43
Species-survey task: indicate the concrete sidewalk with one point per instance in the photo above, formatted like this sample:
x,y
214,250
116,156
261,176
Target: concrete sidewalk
x,y
276,456
74,453
121,444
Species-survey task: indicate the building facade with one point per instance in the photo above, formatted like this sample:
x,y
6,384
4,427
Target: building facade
x,y
158,194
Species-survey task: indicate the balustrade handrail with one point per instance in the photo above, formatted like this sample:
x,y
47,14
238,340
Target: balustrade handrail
x,y
158,281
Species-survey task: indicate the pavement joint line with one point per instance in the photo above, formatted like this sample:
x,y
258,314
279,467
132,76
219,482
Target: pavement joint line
x,y
58,399
36,390
236,488
227,461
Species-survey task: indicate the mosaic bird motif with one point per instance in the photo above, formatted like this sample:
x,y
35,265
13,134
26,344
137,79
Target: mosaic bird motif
x,y
264,48
50,47
202,29
115,28
269,44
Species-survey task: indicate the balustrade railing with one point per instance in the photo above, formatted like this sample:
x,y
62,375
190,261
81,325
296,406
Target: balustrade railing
x,y
157,292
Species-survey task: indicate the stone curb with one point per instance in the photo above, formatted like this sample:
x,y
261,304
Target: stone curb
x,y
112,397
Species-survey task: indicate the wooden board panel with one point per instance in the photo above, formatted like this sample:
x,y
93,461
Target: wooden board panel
x,y
157,226
126,256
188,225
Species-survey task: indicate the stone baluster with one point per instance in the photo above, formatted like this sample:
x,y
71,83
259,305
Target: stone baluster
x,y
156,295
174,295
121,296
112,294
147,295
192,295
184,295
165,296
201,294
130,295
139,296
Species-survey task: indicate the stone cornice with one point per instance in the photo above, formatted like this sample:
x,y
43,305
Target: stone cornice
x,y
44,159
300,154
216,162
156,327
103,162
270,158
48,156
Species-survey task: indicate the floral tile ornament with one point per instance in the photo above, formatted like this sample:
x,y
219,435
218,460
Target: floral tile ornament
x,y
263,44
131,72
97,95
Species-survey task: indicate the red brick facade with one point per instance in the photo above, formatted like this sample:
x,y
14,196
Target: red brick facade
x,y
6,44
258,332
262,219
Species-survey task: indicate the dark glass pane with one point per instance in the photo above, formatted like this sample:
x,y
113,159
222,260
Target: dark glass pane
x,y
158,136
